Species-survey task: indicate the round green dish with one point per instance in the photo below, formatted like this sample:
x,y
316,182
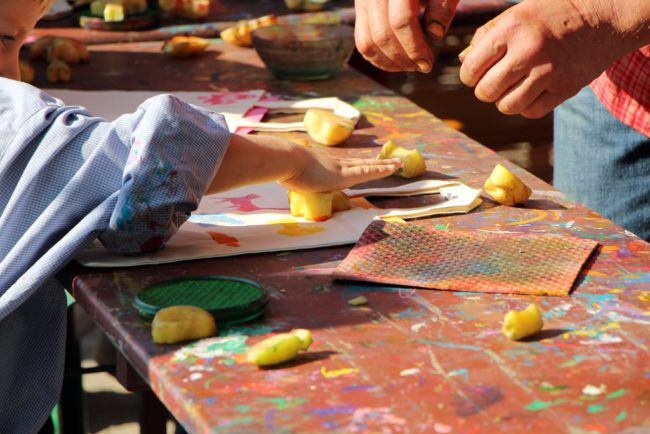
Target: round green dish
x,y
231,300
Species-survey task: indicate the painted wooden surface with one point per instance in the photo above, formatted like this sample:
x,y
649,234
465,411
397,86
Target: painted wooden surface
x,y
224,13
410,360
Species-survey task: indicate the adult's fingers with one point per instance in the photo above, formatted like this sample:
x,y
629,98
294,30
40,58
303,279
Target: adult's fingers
x,y
388,34
543,105
403,19
520,96
483,56
383,35
499,78
438,15
364,40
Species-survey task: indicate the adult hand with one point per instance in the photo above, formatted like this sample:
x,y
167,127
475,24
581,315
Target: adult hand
x,y
538,53
388,32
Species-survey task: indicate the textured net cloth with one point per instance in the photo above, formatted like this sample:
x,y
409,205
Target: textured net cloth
x,y
414,255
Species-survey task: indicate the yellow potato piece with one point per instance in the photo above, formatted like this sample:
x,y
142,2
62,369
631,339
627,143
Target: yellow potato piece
x,y
506,188
412,160
185,46
327,128
520,324
181,323
26,71
312,206
340,201
58,71
317,207
240,33
113,12
279,348
97,8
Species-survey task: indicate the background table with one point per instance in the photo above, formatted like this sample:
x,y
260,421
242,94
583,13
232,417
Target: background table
x,y
411,360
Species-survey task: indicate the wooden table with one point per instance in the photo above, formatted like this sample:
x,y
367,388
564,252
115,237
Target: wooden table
x,y
411,360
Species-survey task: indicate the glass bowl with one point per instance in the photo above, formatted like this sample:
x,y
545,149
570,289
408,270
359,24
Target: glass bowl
x,y
304,51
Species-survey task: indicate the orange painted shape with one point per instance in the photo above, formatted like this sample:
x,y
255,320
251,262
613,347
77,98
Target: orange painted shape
x,y
224,239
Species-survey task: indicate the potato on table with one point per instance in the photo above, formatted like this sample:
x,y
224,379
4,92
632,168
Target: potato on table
x,y
506,188
181,323
185,46
412,160
279,348
317,207
327,128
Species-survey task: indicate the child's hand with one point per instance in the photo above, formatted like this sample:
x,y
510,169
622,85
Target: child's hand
x,y
320,171
256,159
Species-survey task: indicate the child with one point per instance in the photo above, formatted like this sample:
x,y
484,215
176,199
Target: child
x,y
67,178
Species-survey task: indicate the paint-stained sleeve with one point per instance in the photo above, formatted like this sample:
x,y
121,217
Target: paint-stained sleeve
x,y
176,149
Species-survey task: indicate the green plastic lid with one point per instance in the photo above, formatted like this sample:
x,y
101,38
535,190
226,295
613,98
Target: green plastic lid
x,y
231,300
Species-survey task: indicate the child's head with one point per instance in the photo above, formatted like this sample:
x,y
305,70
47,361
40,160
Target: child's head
x,y
17,20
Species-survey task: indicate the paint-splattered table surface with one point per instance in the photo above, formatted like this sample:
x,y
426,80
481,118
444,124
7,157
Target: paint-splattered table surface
x,y
225,13
410,360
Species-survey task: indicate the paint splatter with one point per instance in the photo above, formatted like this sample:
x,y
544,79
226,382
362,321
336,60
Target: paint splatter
x,y
337,372
474,399
540,405
441,428
224,239
245,203
210,348
291,228
214,219
592,390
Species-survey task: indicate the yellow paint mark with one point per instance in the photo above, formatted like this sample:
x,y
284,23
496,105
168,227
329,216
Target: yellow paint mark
x,y
645,296
540,215
616,291
291,228
609,248
593,273
378,115
420,113
594,332
394,219
337,372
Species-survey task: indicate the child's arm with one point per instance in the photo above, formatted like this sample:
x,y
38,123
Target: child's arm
x,y
256,159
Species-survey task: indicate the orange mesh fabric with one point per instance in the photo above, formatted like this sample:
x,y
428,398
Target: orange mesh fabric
x,y
413,255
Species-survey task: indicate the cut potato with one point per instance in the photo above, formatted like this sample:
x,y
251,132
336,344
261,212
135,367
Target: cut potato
x,y
520,324
506,188
306,5
240,33
114,12
58,72
181,323
317,207
185,46
26,71
340,201
327,128
312,206
412,160
279,348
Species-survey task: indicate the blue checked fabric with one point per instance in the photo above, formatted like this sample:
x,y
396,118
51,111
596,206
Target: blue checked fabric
x,y
67,178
